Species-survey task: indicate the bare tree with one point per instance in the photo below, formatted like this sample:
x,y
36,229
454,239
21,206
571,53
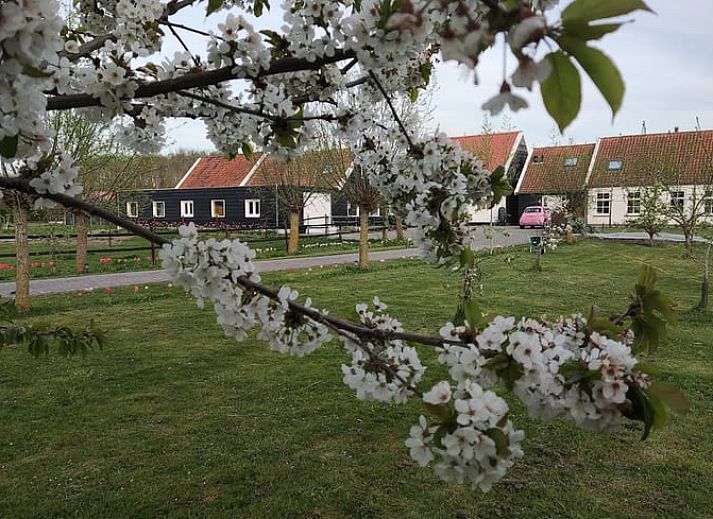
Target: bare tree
x,y
296,181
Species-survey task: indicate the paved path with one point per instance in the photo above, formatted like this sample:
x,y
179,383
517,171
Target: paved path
x,y
504,236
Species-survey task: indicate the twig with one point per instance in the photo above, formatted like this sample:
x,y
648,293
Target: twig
x,y
393,110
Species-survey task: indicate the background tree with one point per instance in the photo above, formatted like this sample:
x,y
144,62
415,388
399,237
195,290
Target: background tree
x,y
652,217
296,181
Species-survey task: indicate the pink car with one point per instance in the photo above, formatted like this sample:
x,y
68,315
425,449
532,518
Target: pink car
x,y
535,216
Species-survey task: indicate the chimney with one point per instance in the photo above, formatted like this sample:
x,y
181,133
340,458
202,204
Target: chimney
x,y
675,129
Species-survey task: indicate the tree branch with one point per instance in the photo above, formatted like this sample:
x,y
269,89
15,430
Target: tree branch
x,y
393,110
199,79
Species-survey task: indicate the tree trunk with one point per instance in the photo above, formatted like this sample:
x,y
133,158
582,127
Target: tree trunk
x,y
703,303
651,239
688,237
385,225
399,224
363,237
80,221
22,258
294,242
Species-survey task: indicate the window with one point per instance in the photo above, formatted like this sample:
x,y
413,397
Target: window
x,y
217,209
708,202
159,209
186,208
614,164
352,209
603,203
677,198
633,202
132,209
533,210
252,208
538,159
570,162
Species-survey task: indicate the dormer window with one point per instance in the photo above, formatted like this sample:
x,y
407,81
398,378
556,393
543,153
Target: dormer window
x,y
538,159
614,165
570,162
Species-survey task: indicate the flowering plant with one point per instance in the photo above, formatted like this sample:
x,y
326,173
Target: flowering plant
x,y
273,90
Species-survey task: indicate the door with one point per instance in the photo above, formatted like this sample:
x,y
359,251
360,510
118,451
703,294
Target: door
x,y
317,212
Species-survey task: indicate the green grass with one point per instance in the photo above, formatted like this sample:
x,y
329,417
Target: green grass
x,y
172,419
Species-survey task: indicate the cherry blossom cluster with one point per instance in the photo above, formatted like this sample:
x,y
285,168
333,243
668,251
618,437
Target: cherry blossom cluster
x,y
29,38
211,270
437,183
563,369
385,370
472,442
58,180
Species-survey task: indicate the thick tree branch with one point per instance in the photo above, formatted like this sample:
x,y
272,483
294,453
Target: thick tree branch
x,y
199,79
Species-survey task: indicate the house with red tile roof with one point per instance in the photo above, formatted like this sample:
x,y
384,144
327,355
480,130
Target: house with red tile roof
x,y
506,149
242,192
610,176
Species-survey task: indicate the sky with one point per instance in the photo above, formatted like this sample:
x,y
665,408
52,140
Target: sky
x,y
666,60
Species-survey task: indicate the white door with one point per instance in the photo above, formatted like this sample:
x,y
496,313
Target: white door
x,y
317,207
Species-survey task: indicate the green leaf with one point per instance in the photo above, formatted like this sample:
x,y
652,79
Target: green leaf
x,y
8,146
671,396
584,31
444,412
659,409
213,6
259,6
247,150
499,184
35,72
587,10
500,439
562,90
472,312
467,258
600,69
641,409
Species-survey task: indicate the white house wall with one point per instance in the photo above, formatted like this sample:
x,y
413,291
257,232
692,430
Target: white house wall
x,y
618,205
486,215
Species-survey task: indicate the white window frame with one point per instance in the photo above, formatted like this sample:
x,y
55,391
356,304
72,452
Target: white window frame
x,y
251,205
615,164
677,199
571,162
132,209
633,202
350,210
708,201
154,209
603,201
185,213
213,212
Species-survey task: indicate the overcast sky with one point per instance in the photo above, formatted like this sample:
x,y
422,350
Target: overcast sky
x,y
666,60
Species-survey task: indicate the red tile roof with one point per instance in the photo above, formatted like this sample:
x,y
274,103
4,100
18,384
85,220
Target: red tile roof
x,y
218,171
676,158
546,173
492,148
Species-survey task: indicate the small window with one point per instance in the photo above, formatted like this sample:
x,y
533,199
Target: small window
x,y
570,162
352,209
677,198
217,208
633,202
252,208
614,165
132,209
186,208
603,203
708,202
538,159
159,209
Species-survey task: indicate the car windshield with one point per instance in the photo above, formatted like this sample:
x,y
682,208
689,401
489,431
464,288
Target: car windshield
x,y
533,210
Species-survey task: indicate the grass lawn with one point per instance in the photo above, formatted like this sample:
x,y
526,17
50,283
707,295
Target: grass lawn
x,y
172,419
